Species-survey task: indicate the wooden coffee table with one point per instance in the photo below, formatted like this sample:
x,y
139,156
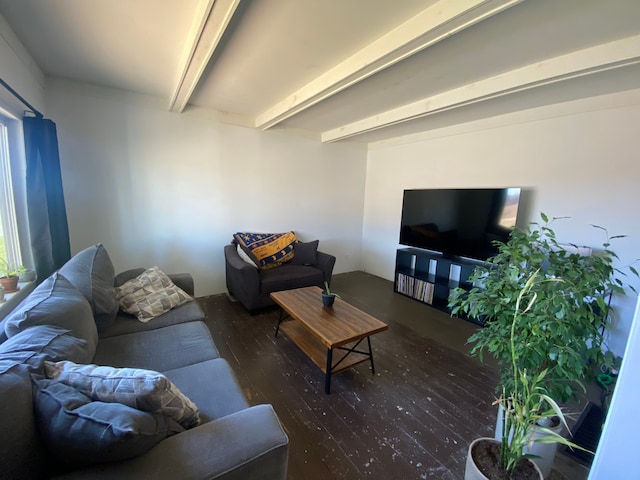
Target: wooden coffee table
x,y
319,330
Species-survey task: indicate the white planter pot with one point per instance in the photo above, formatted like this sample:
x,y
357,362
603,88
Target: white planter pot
x,y
545,451
472,472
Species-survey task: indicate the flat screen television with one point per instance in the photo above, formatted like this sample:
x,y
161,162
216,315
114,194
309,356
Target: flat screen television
x,y
460,222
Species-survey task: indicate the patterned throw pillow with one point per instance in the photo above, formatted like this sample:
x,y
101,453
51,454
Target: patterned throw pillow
x,y
150,294
267,250
144,390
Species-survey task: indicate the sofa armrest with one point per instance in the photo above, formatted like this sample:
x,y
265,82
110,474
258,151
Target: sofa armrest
x,y
249,444
243,280
326,262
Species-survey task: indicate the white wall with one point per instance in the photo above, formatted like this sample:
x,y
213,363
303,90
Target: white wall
x,y
20,71
581,159
617,454
166,189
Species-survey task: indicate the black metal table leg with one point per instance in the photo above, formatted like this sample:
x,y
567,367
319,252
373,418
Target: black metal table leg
x,y
280,318
373,370
327,378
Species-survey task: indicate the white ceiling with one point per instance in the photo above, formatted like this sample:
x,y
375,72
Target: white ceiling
x,y
365,70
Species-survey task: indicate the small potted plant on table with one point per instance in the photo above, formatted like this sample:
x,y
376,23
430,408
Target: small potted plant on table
x,y
328,297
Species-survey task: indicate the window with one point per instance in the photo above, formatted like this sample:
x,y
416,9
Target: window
x,y
9,244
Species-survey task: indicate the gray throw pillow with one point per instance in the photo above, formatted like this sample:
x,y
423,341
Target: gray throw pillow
x,y
79,432
142,389
55,302
305,253
91,271
44,342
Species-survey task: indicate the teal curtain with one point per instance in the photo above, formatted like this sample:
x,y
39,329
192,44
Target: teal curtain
x,y
46,210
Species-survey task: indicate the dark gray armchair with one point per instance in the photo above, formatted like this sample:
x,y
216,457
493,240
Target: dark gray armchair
x,y
252,286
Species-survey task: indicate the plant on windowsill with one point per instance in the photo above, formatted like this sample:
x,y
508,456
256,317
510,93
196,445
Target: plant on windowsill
x,y
562,333
525,402
328,297
9,275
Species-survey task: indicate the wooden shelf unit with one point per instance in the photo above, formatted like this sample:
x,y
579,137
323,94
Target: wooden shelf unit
x,y
428,277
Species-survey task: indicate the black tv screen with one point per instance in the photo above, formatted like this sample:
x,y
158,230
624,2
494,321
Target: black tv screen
x,y
459,222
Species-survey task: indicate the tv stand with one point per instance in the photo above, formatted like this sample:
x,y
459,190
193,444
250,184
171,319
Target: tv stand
x,y
429,277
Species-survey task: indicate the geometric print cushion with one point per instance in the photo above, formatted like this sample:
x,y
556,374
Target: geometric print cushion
x,y
150,294
143,390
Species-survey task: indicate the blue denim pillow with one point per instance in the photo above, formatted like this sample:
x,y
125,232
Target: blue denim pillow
x,y
79,432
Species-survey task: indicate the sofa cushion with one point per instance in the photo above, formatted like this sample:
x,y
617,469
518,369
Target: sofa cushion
x,y
127,323
161,349
91,271
221,385
144,390
23,455
44,342
267,250
290,276
80,432
150,294
305,253
55,302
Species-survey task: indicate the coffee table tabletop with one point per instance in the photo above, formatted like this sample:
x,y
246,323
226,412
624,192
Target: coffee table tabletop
x,y
319,330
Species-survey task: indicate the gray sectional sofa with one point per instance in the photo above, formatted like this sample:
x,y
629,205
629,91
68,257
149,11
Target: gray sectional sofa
x,y
72,316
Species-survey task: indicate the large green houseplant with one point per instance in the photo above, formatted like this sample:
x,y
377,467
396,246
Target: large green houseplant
x,y
559,339
524,401
563,332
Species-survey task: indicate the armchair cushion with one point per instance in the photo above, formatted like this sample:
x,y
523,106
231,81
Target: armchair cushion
x,y
305,253
245,257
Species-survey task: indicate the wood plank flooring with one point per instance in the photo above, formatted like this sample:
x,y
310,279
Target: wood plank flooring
x,y
413,419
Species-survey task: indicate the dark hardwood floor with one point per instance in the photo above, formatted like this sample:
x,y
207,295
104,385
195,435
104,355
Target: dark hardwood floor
x,y
413,419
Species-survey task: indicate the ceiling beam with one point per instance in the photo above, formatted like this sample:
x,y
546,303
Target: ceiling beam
x,y
616,54
211,20
435,23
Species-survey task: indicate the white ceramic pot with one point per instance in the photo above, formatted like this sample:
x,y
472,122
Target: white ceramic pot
x,y
472,472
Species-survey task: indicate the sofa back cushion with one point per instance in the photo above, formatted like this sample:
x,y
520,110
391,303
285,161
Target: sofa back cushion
x,y
92,273
55,302
35,345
